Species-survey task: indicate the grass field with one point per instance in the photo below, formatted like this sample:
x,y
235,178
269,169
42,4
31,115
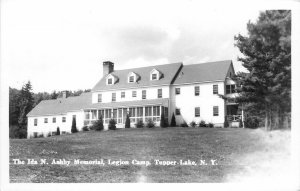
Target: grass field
x,y
231,148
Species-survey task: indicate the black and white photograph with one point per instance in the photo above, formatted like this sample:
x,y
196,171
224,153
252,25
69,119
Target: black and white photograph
x,y
132,91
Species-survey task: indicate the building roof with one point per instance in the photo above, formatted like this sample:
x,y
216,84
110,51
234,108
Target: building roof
x,y
61,105
204,72
162,102
168,70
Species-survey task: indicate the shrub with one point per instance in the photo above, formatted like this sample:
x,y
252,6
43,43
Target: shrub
x,y
202,123
98,125
48,135
74,128
57,131
193,124
150,123
41,136
85,128
127,122
210,125
173,121
139,124
19,132
163,121
226,124
251,122
112,124
184,124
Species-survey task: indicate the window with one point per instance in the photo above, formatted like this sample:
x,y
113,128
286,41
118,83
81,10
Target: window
x,y
133,93
45,120
35,122
177,111
122,94
107,115
132,115
131,79
144,94
154,76
139,113
87,115
197,90
54,120
216,111
109,81
99,98
156,113
197,111
63,119
215,89
177,91
230,89
159,93
113,97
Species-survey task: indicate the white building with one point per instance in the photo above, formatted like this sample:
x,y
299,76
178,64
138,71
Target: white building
x,y
192,92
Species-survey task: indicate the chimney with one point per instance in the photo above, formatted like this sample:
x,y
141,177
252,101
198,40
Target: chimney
x,y
64,94
108,67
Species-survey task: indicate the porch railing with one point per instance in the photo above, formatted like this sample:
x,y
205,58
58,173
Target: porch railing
x,y
234,118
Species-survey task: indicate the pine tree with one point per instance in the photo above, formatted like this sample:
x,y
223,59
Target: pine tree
x,y
163,122
57,131
98,125
267,57
127,122
173,121
25,104
74,128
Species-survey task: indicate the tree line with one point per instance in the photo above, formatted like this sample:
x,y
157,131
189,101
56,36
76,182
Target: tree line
x,y
22,101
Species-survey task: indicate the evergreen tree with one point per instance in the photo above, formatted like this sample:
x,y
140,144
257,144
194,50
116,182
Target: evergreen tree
x,y
267,57
163,122
173,121
98,125
57,131
74,128
127,122
25,104
112,124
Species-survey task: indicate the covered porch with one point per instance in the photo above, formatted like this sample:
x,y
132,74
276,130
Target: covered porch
x,y
137,110
234,114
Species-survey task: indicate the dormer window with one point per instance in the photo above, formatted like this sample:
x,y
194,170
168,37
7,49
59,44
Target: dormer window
x,y
132,77
155,74
111,79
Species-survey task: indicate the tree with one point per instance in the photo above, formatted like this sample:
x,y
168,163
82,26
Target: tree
x,y
267,57
163,122
173,121
74,128
57,131
98,125
127,122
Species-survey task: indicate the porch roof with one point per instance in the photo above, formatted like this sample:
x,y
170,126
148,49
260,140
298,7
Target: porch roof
x,y
162,102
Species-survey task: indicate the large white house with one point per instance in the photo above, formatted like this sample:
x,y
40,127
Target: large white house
x,y
192,92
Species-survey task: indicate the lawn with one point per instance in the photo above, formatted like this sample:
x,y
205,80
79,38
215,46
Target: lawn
x,y
226,146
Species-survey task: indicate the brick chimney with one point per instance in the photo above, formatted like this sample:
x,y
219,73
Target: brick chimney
x,y
108,67
64,94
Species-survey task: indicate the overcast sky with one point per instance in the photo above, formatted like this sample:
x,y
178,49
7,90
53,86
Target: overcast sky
x,y
60,45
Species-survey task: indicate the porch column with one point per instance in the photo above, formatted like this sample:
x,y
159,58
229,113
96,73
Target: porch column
x,y
144,109
97,114
160,111
243,117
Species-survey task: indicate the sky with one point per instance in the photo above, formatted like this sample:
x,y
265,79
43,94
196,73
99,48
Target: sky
x,y
60,45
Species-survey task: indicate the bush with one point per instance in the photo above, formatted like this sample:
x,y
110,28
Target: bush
x,y
210,125
184,124
41,136
57,131
17,132
49,134
251,122
112,124
150,123
193,124
74,128
98,125
173,121
226,124
139,124
85,128
202,123
163,122
127,122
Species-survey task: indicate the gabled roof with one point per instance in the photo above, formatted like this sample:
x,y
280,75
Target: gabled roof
x,y
61,105
169,71
205,72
